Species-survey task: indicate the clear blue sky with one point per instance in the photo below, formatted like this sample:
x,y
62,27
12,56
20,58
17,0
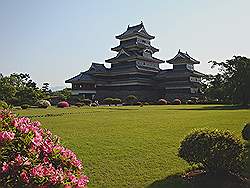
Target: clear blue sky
x,y
53,40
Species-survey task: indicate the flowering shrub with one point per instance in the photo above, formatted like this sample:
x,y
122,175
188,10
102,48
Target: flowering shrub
x,y
43,104
63,104
32,157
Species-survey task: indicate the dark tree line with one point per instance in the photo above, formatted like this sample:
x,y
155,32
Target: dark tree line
x,y
18,89
232,83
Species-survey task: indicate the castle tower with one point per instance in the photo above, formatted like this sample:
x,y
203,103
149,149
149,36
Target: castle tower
x,y
135,50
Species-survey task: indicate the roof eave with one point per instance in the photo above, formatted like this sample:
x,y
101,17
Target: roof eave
x,y
124,36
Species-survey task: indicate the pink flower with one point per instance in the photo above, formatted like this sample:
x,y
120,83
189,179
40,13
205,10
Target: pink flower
x,y
54,179
42,156
6,136
73,179
24,177
77,163
46,160
83,181
5,167
19,159
37,140
47,146
37,171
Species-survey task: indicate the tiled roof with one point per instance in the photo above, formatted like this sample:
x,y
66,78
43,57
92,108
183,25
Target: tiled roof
x,y
83,76
87,75
181,57
137,29
97,67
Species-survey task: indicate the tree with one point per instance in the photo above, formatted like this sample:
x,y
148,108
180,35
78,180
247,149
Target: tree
x,y
19,89
64,94
214,87
233,81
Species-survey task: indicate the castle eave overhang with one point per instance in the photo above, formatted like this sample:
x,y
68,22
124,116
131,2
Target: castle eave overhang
x,y
138,45
131,58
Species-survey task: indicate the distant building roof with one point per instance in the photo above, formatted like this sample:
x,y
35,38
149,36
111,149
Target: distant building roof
x,y
82,77
87,76
135,30
97,67
181,58
171,73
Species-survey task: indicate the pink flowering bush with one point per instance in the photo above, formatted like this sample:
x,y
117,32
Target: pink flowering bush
x,y
32,157
63,104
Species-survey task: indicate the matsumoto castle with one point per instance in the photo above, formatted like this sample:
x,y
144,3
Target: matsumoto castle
x,y
135,71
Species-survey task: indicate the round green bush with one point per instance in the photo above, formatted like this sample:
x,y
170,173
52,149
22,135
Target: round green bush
x,y
87,102
79,104
138,103
108,101
25,106
176,102
93,104
246,132
162,102
116,101
131,99
43,104
217,151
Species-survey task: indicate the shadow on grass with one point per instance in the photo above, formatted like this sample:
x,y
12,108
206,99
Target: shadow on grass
x,y
206,180
221,107
201,181
173,181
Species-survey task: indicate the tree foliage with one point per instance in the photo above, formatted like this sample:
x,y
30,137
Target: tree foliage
x,y
63,94
19,89
232,83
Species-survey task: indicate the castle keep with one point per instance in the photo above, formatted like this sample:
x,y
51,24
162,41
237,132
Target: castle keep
x,y
135,71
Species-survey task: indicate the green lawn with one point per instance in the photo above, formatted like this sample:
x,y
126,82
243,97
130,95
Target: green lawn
x,y
133,146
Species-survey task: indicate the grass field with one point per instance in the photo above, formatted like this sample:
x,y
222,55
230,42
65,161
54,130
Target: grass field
x,y
133,146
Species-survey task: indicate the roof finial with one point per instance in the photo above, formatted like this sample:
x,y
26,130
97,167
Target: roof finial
x,y
128,25
179,51
141,22
186,52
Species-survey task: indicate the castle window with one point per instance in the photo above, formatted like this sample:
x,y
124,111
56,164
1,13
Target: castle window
x,y
190,67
